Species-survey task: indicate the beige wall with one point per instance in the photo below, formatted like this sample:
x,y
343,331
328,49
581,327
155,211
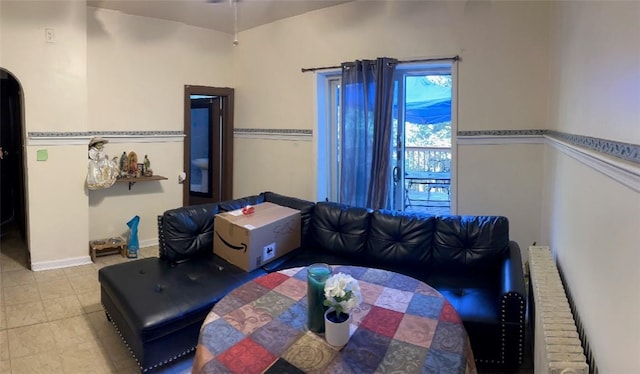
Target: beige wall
x,y
106,71
53,79
502,85
590,220
138,66
509,185
137,69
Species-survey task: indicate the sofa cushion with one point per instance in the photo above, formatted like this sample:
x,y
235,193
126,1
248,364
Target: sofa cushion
x,y
159,298
187,232
340,228
400,239
470,243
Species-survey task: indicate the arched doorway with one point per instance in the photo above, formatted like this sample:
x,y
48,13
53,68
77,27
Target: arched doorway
x,y
13,225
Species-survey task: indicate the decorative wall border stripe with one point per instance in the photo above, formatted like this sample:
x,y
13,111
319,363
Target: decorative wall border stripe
x,y
626,151
274,134
82,138
490,137
488,133
625,173
617,160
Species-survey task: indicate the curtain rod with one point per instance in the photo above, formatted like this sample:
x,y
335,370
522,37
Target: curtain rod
x,y
454,58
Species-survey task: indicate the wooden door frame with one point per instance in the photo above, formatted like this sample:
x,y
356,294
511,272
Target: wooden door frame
x,y
226,138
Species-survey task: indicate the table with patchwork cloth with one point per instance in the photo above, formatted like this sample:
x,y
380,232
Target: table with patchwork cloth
x,y
403,325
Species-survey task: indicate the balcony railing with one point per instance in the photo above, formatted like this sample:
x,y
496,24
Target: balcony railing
x,y
425,197
433,159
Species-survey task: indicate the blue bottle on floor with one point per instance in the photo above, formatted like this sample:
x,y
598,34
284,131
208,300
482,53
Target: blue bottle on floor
x,y
133,245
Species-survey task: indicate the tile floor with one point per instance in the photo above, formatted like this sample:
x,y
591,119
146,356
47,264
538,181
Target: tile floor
x,y
52,321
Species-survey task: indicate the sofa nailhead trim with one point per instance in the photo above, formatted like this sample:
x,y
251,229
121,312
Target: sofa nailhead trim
x,y
144,370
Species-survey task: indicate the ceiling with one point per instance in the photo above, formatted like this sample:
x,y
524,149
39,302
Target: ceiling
x,y
216,14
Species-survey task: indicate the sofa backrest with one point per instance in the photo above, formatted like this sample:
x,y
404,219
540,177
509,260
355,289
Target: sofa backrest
x,y
417,241
340,229
401,239
304,206
462,243
229,205
186,232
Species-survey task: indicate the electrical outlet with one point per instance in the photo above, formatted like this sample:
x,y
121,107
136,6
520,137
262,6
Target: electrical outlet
x,y
49,36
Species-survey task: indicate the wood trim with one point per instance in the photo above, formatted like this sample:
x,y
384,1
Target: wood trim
x,y
225,134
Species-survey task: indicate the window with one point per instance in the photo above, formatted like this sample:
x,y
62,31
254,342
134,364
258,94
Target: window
x,y
422,144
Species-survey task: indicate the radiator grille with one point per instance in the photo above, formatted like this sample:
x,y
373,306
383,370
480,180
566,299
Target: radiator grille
x,y
557,345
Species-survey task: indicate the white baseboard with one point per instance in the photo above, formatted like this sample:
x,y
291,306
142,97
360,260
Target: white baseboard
x,y
58,264
77,261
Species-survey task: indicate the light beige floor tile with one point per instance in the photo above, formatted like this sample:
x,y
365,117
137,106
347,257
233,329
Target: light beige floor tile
x,y
43,363
4,345
30,340
25,314
85,357
85,283
18,278
118,352
71,331
11,264
132,369
5,366
3,317
90,301
149,252
62,307
110,260
21,294
101,325
82,270
49,275
55,289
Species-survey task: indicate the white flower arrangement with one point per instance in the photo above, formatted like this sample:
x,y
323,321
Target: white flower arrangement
x,y
342,293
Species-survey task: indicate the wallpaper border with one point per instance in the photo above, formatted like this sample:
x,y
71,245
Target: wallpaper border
x,y
274,134
83,137
625,151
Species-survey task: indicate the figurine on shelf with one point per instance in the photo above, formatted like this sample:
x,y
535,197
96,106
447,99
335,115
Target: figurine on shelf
x,y
147,167
123,165
132,159
102,171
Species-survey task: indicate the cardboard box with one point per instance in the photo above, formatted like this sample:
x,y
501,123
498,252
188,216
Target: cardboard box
x,y
252,240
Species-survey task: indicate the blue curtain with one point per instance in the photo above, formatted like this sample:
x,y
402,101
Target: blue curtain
x,y
365,132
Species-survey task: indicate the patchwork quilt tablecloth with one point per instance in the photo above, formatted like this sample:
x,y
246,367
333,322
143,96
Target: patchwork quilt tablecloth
x,y
402,326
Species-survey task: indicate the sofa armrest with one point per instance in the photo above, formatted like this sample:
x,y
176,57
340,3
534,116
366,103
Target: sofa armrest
x,y
512,308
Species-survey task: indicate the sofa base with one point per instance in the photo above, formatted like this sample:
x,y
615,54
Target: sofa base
x,y
152,355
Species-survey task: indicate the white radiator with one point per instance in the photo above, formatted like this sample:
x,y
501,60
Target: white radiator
x,y
557,347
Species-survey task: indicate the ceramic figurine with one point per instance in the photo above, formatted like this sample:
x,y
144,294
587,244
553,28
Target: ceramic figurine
x,y
123,165
147,167
132,159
